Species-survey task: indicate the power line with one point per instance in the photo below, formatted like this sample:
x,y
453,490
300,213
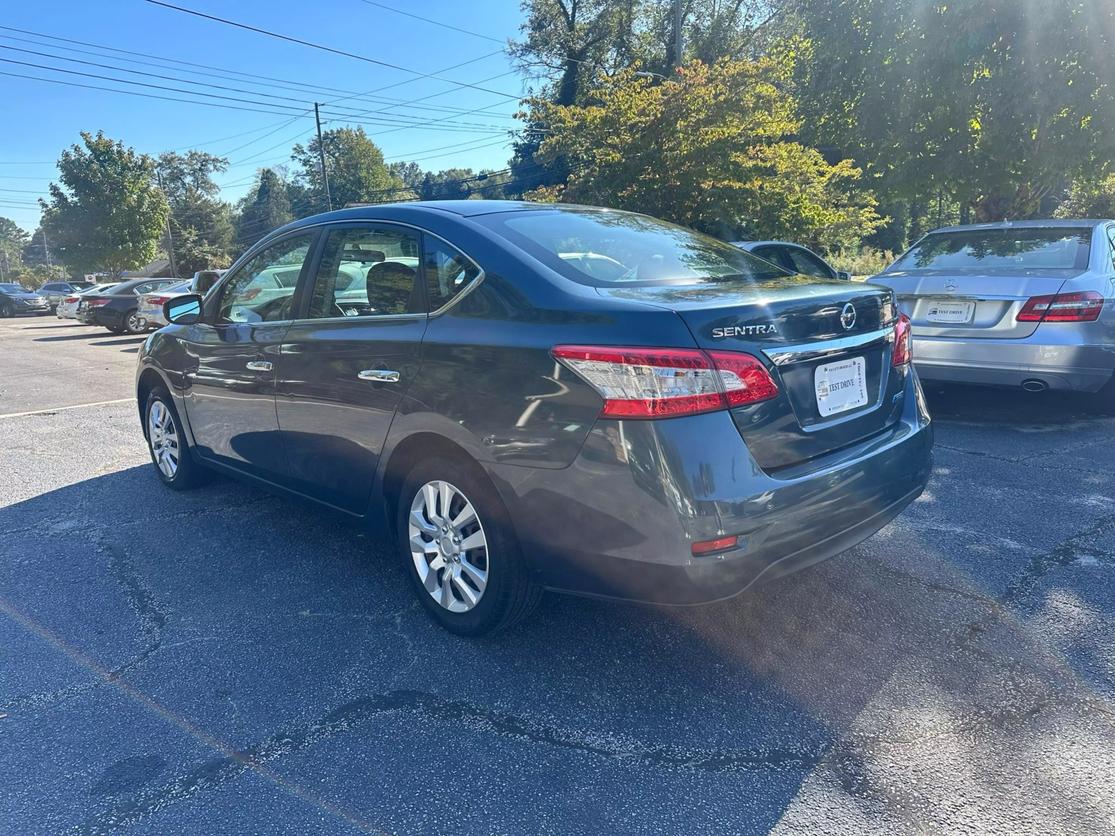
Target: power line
x,y
223,73
434,22
323,48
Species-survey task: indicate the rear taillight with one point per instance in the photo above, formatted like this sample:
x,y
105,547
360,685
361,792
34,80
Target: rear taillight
x,y
70,300
96,303
158,301
1083,306
903,351
667,382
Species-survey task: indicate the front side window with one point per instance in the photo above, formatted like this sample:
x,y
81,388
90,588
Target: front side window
x,y
605,248
367,271
1002,250
808,264
448,272
263,289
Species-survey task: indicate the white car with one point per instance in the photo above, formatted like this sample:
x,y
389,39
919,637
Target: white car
x,y
67,307
150,305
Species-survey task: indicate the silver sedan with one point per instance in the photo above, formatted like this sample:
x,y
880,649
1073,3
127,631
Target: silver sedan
x,y
1026,304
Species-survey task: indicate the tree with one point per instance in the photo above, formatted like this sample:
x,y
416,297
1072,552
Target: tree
x,y
107,214
201,224
449,184
1089,197
410,173
989,104
13,239
357,173
264,208
711,149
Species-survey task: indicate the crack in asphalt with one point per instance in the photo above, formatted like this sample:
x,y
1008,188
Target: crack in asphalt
x,y
427,707
152,624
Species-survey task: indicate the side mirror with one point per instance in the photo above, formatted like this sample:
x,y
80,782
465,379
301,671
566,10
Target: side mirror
x,y
844,275
183,310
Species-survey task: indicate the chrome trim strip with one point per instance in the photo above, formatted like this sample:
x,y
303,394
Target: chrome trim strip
x,y
823,348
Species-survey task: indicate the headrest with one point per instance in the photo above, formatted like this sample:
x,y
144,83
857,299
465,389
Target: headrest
x,y
390,286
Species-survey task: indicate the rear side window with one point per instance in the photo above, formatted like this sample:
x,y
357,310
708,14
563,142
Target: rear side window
x,y
367,271
1111,245
261,290
1051,248
448,272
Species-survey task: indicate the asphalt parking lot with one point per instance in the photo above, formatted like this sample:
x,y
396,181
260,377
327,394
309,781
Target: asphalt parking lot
x,y
225,661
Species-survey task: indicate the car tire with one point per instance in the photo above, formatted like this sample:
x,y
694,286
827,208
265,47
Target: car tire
x,y
6,310
131,323
170,451
445,572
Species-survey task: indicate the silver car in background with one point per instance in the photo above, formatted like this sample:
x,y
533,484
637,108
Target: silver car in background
x,y
1018,303
67,308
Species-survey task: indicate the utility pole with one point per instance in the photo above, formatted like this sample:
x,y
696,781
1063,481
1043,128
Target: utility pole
x,y
679,20
169,235
321,157
46,249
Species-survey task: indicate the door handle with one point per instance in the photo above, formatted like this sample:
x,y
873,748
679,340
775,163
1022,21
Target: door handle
x,y
379,375
259,366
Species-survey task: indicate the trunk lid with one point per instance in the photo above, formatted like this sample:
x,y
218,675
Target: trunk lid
x,y
801,329
971,304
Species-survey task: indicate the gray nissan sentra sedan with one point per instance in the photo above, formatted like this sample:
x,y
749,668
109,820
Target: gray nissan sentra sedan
x,y
545,397
1023,303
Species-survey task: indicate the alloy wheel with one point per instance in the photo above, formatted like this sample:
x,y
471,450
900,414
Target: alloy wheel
x,y
132,325
448,546
163,436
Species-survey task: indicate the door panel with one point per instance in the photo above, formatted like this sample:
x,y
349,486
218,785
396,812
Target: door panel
x,y
231,392
344,367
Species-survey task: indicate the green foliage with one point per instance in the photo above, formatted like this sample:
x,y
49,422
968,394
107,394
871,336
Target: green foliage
x,y
1089,198
862,262
200,223
991,103
264,208
107,214
709,149
13,239
357,173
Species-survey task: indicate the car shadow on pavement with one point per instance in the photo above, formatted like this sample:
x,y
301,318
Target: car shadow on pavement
x,y
126,341
1000,406
100,332
854,683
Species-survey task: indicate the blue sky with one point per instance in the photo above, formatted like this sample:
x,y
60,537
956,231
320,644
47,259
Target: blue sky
x,y
42,118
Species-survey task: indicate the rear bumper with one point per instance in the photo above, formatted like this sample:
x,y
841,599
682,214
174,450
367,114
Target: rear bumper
x,y
1063,366
621,520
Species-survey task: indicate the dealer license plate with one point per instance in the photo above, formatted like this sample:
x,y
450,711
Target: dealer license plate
x,y
841,386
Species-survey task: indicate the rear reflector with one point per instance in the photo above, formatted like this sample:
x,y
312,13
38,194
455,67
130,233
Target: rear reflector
x,y
903,347
1082,306
668,382
720,544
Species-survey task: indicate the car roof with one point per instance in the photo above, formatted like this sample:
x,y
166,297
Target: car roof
x,y
1028,224
409,210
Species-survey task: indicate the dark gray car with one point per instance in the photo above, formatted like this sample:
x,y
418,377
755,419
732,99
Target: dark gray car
x,y
546,397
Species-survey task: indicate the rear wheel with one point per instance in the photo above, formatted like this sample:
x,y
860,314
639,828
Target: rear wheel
x,y
170,451
133,323
460,551
6,310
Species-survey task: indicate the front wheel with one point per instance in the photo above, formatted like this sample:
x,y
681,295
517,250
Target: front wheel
x,y
170,451
6,310
460,551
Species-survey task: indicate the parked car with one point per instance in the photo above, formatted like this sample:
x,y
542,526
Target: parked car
x,y
149,306
67,308
16,299
674,433
1021,303
55,292
793,257
116,309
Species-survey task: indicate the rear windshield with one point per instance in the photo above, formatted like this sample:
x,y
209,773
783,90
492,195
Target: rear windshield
x,y
609,248
1054,248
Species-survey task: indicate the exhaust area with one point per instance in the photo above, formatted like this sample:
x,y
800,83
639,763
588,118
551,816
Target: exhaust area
x,y
1034,385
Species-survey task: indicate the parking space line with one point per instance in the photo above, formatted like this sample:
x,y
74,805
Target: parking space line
x,y
63,408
